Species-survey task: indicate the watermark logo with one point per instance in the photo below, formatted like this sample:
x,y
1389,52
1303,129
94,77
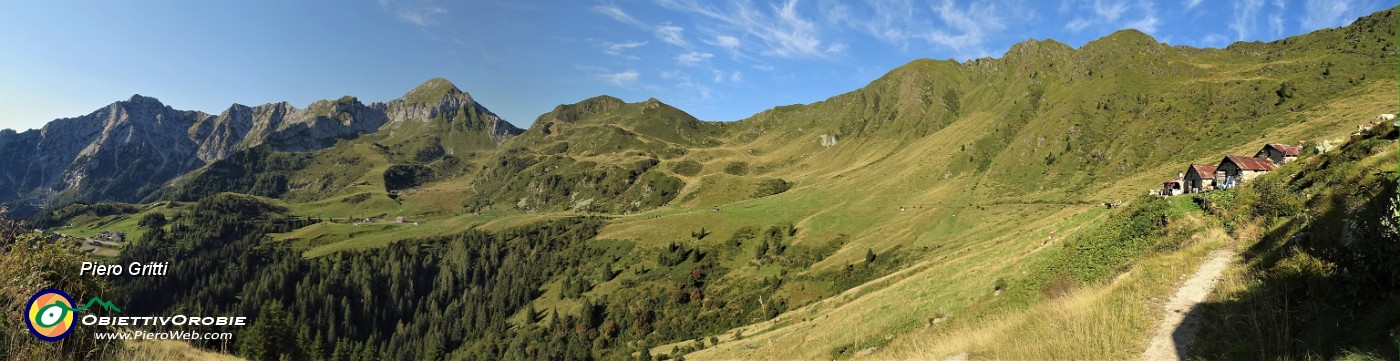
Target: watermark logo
x,y
51,313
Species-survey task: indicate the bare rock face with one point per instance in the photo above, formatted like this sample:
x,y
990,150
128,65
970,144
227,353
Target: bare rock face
x,y
120,148
438,100
220,135
129,149
316,127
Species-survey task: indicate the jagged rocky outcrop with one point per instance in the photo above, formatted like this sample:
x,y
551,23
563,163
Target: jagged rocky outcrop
x,y
129,149
284,127
439,100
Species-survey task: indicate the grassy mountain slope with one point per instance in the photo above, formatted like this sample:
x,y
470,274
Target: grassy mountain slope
x,y
1090,138
601,154
941,197
1289,296
1316,278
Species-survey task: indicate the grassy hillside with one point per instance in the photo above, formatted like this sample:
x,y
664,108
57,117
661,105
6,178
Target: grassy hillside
x,y
944,208
1317,278
599,155
1063,128
1046,124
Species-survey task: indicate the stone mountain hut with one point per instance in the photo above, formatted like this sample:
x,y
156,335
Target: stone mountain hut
x,y
1200,178
1237,169
1279,153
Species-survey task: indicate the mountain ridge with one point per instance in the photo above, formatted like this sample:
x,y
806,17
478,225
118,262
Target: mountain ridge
x,y
907,103
100,156
943,194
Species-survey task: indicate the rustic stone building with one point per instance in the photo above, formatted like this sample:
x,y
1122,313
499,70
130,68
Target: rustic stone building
x,y
1279,153
1236,169
1199,178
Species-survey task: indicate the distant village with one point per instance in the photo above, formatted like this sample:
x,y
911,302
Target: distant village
x,y
114,240
106,243
1234,170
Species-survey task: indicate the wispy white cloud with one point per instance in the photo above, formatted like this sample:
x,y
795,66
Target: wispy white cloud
x,y
781,28
1110,10
1246,15
963,30
616,13
1113,15
692,58
420,12
671,34
1214,41
1318,14
1078,24
622,78
694,91
970,27
797,34
1147,24
728,43
1276,24
617,49
890,21
1190,4
421,16
721,76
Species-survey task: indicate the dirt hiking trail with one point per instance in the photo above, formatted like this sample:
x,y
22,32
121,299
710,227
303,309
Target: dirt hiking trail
x,y
1183,314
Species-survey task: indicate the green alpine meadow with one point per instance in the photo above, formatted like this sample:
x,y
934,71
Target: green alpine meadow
x,y
1025,206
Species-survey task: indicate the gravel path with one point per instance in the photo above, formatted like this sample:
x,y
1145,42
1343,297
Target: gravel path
x,y
1183,314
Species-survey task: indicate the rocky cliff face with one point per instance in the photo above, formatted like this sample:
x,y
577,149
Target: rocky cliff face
x,y
318,126
131,148
119,149
439,100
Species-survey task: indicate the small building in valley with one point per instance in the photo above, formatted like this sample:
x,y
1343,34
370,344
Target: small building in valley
x,y
1279,153
1236,169
1199,178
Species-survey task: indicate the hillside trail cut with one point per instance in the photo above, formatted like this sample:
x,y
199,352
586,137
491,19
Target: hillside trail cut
x,y
1183,314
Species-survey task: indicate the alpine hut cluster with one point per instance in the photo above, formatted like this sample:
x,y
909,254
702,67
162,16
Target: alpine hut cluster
x,y
1231,171
1234,170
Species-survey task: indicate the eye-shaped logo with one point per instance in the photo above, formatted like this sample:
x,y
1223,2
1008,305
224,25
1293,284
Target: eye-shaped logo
x,y
50,314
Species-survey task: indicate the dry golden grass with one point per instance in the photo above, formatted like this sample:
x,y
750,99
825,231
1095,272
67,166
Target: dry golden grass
x,y
167,350
953,282
1112,321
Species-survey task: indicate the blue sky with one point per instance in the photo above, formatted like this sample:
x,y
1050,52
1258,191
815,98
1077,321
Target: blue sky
x,y
716,60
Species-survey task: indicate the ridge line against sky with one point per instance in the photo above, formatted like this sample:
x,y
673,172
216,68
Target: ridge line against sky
x,y
718,61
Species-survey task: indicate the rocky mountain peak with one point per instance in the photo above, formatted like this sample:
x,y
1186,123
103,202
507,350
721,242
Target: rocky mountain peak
x,y
1128,37
137,105
432,92
126,150
652,103
1032,48
142,99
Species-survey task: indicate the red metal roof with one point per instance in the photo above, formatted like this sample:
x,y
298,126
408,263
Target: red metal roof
x,y
1251,164
1287,150
1204,170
